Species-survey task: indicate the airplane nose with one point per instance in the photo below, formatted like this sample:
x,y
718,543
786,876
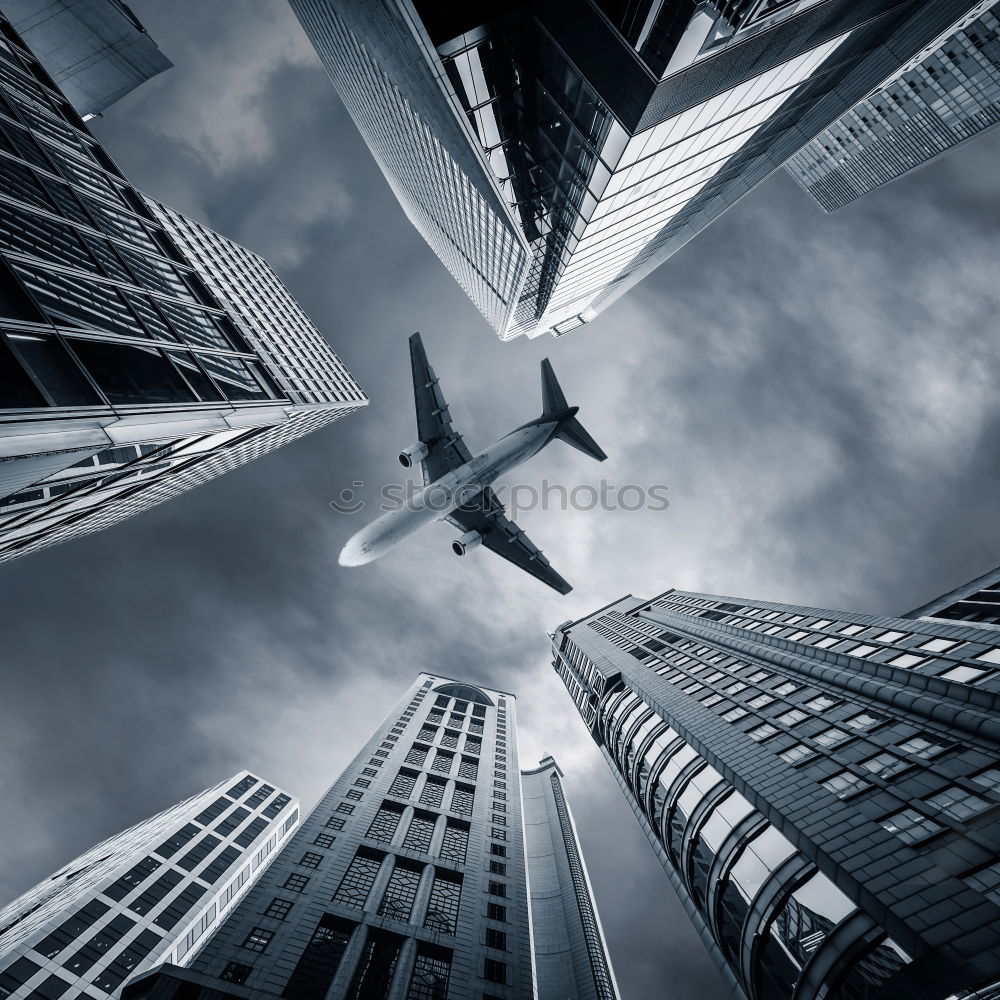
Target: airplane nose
x,y
352,554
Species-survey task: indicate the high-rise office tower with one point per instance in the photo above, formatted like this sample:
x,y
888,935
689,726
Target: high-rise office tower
x,y
938,102
141,354
142,897
96,51
976,601
821,788
571,956
408,879
554,153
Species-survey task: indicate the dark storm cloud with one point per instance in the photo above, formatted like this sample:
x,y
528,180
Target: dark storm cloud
x,y
817,391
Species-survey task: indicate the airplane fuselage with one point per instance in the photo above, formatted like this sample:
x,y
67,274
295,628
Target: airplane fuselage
x,y
461,485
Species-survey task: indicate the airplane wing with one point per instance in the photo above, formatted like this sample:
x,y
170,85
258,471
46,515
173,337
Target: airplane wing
x,y
445,448
485,514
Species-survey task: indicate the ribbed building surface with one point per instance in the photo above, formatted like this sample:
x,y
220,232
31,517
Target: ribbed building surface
x,y
142,354
571,956
821,788
949,97
148,895
553,154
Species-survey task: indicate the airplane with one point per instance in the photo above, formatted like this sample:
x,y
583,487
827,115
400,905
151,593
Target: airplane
x,y
457,485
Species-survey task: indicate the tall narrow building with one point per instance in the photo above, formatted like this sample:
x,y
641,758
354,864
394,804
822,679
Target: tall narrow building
x,y
553,154
821,788
141,353
571,956
939,101
409,878
149,895
95,51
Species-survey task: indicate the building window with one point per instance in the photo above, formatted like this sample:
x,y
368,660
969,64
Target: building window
x,y
373,975
450,739
345,807
416,754
497,834
324,840
431,972
762,732
497,818
863,721
358,879
468,768
402,784
494,971
495,911
353,793
844,784
990,778
923,745
310,860
462,799
831,737
957,802
911,826
761,701
793,717
786,689
371,772
735,714
258,939
496,939
498,850
335,823
795,754
234,972
320,959
884,764
376,762
383,826
296,883
822,702
419,833
455,844
433,792
401,890
443,906
362,782
278,908
497,889
498,868
442,761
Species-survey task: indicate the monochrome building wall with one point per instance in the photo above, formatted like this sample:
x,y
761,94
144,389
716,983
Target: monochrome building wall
x,y
571,956
95,51
937,103
410,879
141,353
552,154
147,895
821,788
976,601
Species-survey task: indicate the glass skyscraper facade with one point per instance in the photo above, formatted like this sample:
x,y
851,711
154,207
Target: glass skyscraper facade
x,y
140,353
409,879
148,895
939,101
553,154
96,51
821,788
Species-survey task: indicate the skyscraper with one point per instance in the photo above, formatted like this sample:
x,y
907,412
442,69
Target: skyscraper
x,y
571,956
141,354
95,51
937,103
553,154
408,879
976,601
144,896
821,788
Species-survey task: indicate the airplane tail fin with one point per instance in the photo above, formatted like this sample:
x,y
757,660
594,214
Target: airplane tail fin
x,y
571,430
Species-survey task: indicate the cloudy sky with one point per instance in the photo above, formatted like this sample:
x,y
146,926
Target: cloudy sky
x,y
817,392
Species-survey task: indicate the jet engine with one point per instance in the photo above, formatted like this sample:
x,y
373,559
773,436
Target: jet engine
x,y
468,541
409,457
